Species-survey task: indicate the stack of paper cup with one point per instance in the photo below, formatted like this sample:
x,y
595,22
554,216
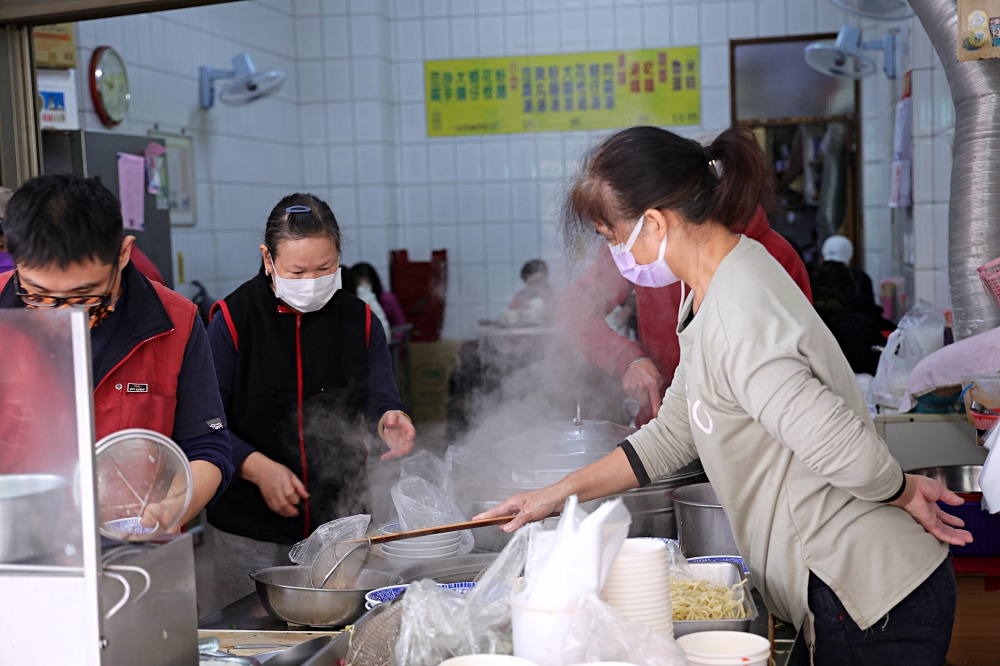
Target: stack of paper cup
x,y
638,585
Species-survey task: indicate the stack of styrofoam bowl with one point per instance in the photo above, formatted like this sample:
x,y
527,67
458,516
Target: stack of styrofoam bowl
x,y
638,585
416,550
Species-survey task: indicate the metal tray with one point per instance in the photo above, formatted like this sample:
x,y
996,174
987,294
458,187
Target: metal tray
x,y
724,573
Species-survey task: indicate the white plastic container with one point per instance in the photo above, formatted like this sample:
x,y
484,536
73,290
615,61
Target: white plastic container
x,y
725,648
487,660
538,634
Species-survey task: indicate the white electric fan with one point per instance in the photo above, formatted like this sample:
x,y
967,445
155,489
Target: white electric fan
x,y
846,56
248,84
880,10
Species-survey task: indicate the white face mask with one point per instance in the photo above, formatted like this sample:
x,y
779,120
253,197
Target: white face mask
x,y
306,294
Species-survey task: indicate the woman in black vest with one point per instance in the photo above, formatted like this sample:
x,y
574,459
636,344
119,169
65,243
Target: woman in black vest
x,y
300,366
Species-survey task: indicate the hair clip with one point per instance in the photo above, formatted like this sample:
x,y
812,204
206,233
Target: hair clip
x,y
298,209
714,163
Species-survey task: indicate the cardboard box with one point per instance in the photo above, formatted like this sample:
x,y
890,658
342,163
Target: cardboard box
x,y
55,45
431,367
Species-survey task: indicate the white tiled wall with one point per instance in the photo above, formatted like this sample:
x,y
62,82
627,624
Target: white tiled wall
x,y
349,125
247,157
492,201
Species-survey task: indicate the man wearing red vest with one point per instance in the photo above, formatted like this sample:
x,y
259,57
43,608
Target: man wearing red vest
x,y
647,366
152,365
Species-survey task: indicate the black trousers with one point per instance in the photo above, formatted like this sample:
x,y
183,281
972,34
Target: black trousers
x,y
916,632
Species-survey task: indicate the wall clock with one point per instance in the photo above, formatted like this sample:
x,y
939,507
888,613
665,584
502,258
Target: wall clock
x,y
109,85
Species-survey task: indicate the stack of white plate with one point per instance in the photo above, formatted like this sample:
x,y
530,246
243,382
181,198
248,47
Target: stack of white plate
x,y
638,586
422,549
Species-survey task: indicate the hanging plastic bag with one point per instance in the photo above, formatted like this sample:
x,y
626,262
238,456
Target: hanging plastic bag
x,y
600,633
920,332
989,477
420,505
335,531
427,466
439,624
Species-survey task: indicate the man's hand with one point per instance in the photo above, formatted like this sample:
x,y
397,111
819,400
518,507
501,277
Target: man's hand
x,y
643,381
920,499
282,490
398,433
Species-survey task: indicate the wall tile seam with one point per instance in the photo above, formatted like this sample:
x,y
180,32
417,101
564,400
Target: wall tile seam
x,y
225,38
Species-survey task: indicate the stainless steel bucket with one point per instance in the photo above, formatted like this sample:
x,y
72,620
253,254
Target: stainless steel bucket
x,y
702,525
31,507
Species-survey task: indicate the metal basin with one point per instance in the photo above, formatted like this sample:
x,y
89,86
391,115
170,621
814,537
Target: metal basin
x,y
956,478
31,507
288,595
702,525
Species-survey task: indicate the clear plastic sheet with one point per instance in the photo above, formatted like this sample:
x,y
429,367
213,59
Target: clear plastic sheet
x,y
420,504
599,633
439,624
427,466
335,531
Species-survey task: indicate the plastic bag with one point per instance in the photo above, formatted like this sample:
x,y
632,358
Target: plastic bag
x,y
419,505
920,332
427,466
335,531
439,624
989,477
600,633
677,564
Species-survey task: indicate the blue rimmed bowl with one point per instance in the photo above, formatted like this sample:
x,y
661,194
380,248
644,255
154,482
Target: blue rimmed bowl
x,y
384,595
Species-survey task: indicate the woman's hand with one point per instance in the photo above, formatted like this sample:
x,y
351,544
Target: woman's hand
x,y
530,507
397,432
920,499
282,490
643,381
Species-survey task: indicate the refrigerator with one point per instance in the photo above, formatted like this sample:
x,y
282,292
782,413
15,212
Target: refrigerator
x,y
94,154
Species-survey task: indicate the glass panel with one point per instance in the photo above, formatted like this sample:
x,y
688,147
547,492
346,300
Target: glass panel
x,y
774,81
40,520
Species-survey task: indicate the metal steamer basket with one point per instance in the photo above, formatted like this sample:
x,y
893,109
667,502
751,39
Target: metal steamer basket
x,y
483,477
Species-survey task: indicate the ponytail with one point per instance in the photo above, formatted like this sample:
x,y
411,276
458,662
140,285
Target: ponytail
x,y
647,167
746,181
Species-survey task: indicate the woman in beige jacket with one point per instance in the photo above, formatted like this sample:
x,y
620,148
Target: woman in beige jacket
x,y
839,541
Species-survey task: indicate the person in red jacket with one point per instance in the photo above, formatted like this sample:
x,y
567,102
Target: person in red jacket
x,y
151,361
647,366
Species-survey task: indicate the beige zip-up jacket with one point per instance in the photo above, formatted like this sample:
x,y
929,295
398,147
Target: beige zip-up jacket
x,y
764,396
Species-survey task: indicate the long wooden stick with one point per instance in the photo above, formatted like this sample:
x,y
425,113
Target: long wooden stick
x,y
427,531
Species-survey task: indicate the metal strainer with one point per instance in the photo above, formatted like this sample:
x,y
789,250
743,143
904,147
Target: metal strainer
x,y
144,484
372,643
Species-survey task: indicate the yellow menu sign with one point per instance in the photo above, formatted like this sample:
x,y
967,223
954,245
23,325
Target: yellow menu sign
x,y
576,91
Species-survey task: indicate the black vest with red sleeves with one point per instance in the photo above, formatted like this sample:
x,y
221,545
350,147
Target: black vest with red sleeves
x,y
298,398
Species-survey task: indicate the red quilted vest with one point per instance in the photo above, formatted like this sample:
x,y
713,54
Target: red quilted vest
x,y
154,362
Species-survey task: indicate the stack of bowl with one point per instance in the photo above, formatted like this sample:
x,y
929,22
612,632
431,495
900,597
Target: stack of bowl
x,y
417,550
638,586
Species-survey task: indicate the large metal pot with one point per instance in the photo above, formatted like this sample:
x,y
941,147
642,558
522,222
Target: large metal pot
x,y
984,527
31,507
702,525
956,478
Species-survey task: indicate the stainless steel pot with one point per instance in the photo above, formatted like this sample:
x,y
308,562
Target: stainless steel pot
x,y
288,595
956,478
702,525
31,507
